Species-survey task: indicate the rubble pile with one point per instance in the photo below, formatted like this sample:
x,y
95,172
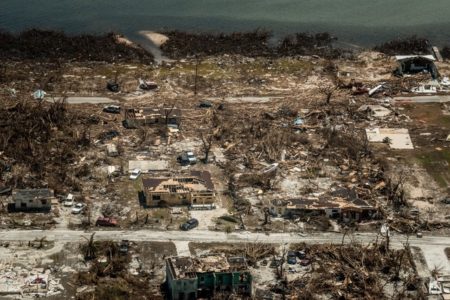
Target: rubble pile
x,y
114,273
17,280
57,46
42,140
252,134
253,252
354,271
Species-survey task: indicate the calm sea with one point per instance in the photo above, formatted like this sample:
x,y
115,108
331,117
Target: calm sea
x,y
363,22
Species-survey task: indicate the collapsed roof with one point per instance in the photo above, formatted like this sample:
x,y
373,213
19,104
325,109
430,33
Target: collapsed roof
x,y
414,64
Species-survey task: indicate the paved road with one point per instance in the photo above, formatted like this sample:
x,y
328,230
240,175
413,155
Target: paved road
x,y
431,246
65,235
83,100
423,99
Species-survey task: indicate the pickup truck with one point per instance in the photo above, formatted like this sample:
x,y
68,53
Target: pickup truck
x,y
187,158
102,221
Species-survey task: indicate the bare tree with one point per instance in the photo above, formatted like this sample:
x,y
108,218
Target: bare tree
x,y
90,249
207,138
143,133
2,73
280,267
197,62
328,91
266,216
42,242
167,112
395,190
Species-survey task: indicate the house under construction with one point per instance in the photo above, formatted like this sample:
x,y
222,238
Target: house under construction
x,y
195,188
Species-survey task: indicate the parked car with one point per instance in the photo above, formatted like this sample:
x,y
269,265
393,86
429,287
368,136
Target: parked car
x,y
135,174
291,257
275,263
173,128
68,202
205,104
301,254
264,263
305,262
187,158
108,135
113,86
78,208
124,246
147,85
112,109
190,224
5,190
102,221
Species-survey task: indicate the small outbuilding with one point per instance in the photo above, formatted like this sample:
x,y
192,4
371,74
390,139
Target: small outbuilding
x,y
111,150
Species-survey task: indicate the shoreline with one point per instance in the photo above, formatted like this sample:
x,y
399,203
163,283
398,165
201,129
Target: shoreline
x,y
167,46
152,42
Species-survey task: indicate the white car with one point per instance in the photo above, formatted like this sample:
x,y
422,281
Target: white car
x,y
135,174
78,208
69,201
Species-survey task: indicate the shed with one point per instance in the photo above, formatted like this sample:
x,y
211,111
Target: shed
x,y
111,150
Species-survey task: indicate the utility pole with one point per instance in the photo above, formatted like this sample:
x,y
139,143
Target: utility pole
x,y
196,72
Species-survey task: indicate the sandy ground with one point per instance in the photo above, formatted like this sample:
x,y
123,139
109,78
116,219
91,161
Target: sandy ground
x,y
182,248
157,39
207,218
28,256
420,183
435,257
124,40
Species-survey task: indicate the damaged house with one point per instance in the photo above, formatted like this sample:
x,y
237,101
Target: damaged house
x,y
206,276
32,200
342,204
196,188
135,117
414,64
